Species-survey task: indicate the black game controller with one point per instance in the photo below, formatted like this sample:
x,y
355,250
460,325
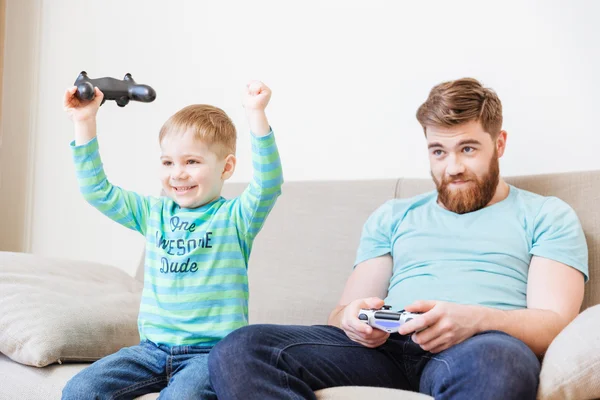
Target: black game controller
x,y
114,89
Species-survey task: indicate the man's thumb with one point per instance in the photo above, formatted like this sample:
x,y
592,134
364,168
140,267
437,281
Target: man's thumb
x,y
374,302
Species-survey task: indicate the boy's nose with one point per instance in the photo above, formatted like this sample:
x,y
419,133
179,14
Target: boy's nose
x,y
178,173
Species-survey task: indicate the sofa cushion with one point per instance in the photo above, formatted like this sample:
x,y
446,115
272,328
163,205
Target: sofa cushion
x,y
55,310
571,366
24,382
364,392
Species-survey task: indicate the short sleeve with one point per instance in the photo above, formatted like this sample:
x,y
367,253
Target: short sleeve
x,y
376,235
558,236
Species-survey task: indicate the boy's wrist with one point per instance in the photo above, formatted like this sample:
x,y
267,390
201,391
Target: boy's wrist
x,y
85,130
257,119
85,123
255,113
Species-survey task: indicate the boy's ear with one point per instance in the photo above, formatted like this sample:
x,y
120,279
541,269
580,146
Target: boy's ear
x,y
228,167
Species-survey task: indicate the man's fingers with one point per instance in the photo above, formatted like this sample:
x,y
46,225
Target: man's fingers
x,y
367,334
421,322
439,349
367,342
421,306
360,328
426,335
374,302
416,324
434,343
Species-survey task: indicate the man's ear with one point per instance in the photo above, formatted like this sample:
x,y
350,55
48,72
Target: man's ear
x,y
501,143
228,167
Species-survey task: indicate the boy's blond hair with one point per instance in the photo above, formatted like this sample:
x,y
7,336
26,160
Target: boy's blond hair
x,y
210,125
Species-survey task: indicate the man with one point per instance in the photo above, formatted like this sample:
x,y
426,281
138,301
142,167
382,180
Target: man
x,y
496,271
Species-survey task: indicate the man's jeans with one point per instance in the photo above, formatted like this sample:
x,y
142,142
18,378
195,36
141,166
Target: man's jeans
x,y
178,372
290,362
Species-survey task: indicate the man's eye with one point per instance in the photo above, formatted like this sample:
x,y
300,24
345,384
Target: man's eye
x,y
468,149
438,153
167,163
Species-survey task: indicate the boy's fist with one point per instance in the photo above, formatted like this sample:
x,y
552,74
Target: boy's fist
x,y
256,96
81,110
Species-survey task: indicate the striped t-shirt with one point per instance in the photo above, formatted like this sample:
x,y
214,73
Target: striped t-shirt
x,y
195,280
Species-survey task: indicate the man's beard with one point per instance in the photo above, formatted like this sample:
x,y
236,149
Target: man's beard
x,y
475,195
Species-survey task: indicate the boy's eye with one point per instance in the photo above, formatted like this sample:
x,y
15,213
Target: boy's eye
x,y
192,162
167,163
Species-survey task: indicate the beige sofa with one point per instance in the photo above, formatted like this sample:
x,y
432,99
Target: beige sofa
x,y
305,253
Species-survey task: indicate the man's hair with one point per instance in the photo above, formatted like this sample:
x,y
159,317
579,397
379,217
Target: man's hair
x,y
461,101
208,123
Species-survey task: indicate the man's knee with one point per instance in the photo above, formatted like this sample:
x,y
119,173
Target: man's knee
x,y
497,353
236,347
492,363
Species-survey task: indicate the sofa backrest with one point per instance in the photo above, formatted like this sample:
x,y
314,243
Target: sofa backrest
x,y
305,252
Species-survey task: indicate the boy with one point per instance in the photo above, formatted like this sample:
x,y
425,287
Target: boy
x,y
198,244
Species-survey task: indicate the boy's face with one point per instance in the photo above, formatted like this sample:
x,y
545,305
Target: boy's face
x,y
464,165
192,174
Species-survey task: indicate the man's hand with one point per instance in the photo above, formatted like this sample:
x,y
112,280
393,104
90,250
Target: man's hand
x,y
81,111
359,331
442,325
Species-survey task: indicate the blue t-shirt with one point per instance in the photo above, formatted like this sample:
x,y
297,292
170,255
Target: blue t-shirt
x,y
480,257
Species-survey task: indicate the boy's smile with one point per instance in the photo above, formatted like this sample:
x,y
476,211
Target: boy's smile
x,y
191,174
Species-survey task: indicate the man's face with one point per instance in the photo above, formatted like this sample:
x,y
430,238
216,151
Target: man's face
x,y
464,165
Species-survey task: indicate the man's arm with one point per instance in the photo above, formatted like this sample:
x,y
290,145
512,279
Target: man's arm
x,y
365,288
370,278
554,296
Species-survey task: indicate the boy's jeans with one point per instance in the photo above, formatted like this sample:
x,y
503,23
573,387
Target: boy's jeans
x,y
178,372
290,362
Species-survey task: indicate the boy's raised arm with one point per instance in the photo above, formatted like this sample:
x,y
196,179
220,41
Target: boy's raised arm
x,y
259,197
127,208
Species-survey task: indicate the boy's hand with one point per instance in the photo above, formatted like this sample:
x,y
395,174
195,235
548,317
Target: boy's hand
x,y
81,110
256,96
255,99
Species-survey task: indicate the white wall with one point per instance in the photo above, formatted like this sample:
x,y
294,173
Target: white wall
x,y
347,78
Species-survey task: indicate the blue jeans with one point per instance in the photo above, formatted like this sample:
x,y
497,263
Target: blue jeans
x,y
290,362
178,372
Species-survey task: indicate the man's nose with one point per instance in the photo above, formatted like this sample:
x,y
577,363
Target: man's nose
x,y
455,166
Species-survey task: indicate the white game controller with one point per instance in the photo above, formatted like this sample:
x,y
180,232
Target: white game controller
x,y
384,319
